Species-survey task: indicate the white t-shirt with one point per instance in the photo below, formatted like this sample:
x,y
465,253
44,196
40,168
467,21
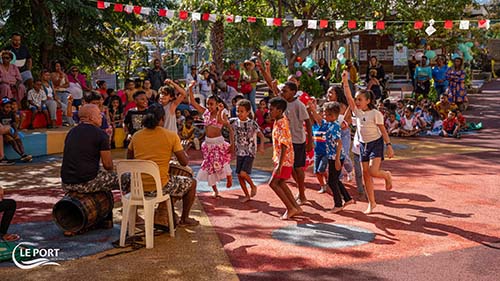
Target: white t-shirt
x,y
367,123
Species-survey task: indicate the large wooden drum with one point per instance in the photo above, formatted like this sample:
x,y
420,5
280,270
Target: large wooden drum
x,y
79,211
177,169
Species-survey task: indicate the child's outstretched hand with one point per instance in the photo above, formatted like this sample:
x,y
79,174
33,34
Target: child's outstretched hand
x,y
168,82
192,84
344,76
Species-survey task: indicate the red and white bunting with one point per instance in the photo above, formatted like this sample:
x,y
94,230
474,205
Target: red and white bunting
x,y
311,23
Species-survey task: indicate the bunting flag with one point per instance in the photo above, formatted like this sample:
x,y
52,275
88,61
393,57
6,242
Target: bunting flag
x,y
464,24
418,24
351,24
448,24
323,24
183,15
368,25
195,16
380,25
311,23
339,24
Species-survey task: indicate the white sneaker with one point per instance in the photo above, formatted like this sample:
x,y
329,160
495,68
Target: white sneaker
x,y
349,176
322,189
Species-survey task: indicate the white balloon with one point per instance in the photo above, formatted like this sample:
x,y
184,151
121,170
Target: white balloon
x,y
340,56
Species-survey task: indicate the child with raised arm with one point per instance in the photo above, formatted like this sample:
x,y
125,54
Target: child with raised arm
x,y
216,151
283,157
169,100
372,136
246,131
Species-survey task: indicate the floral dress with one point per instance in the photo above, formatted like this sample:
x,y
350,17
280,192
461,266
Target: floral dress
x,y
456,87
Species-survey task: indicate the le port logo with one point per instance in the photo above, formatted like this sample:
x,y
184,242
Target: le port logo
x,y
25,256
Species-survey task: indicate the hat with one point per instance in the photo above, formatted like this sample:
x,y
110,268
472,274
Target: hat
x,y
221,85
250,62
5,100
203,70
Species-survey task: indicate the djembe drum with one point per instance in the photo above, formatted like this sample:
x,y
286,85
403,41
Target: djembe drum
x,y
177,169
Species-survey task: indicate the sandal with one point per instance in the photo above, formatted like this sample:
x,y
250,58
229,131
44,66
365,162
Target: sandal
x,y
11,237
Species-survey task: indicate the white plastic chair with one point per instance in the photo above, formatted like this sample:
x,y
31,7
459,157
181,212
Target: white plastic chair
x,y
136,198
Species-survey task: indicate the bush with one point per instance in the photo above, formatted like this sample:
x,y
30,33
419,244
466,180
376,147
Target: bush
x,y
308,81
277,59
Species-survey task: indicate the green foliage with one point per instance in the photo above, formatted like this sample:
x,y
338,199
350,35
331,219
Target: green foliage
x,y
308,82
277,59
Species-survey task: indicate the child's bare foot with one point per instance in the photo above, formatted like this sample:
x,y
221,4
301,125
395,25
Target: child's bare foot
x,y
336,210
245,199
350,202
229,182
388,182
291,213
253,191
370,208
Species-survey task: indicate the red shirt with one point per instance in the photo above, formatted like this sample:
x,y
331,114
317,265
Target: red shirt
x,y
233,78
449,125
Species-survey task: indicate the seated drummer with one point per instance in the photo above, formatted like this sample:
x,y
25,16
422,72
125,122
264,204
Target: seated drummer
x,y
157,144
8,208
86,145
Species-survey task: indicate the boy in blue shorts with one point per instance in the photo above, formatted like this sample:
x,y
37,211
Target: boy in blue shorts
x,y
319,128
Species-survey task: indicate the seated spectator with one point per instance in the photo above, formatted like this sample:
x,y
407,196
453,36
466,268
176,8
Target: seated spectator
x,y
150,93
8,119
19,115
11,82
8,208
127,94
157,144
409,123
60,84
226,93
261,112
443,106
234,101
374,84
170,101
52,101
187,133
115,115
37,102
428,117
110,92
97,99
4,161
232,75
461,119
102,88
85,147
451,126
180,119
77,85
267,127
400,109
392,125
133,117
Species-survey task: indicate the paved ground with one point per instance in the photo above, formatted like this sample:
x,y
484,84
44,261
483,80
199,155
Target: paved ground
x,y
439,223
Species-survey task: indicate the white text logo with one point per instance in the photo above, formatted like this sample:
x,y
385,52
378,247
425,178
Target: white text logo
x,y
27,253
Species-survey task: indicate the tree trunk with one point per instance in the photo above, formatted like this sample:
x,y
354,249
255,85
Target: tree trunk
x,y
217,42
42,17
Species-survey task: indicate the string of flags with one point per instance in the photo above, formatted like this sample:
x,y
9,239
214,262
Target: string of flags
x,y
311,23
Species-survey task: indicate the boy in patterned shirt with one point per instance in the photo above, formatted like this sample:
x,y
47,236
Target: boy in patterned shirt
x,y
245,132
335,157
283,157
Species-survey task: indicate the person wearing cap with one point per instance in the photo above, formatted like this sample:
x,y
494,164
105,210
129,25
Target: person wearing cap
x,y
23,58
8,131
226,93
11,82
249,77
232,75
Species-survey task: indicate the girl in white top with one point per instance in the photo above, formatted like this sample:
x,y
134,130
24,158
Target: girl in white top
x,y
372,136
170,102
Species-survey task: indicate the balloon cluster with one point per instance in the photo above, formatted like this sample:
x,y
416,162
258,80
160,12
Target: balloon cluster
x,y
465,49
340,55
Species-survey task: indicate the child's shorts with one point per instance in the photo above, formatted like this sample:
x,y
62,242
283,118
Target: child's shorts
x,y
286,173
320,163
372,150
299,151
34,108
244,163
